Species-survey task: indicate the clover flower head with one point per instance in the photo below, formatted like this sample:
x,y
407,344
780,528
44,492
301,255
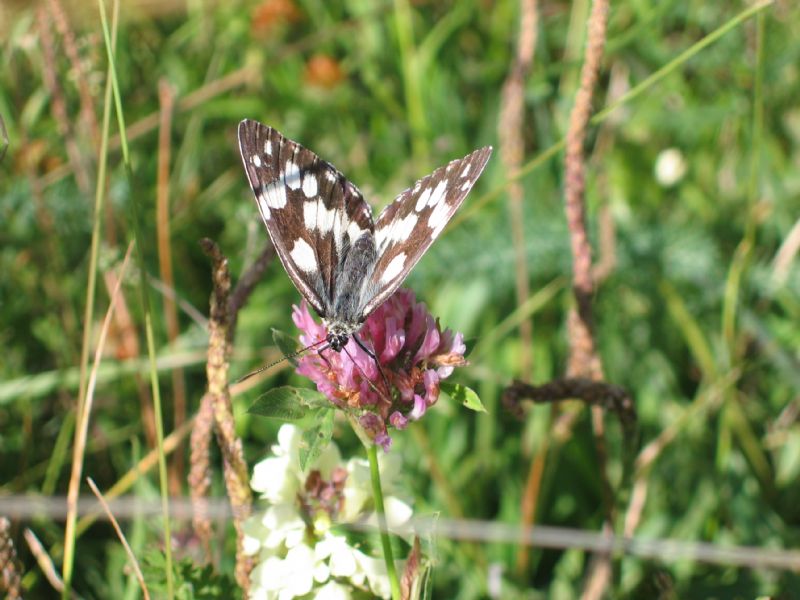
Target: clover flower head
x,y
298,551
414,355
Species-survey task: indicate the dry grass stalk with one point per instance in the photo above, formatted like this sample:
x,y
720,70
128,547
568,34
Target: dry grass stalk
x,y
10,568
512,151
82,421
58,104
45,562
584,360
200,461
235,470
131,556
88,115
166,96
200,473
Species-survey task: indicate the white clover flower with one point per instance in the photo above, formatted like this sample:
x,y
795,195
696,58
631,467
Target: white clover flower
x,y
285,578
333,591
670,167
298,552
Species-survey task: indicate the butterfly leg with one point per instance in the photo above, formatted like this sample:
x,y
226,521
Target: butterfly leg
x,y
322,356
377,362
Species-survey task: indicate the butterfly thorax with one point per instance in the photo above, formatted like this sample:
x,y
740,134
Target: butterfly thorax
x,y
339,333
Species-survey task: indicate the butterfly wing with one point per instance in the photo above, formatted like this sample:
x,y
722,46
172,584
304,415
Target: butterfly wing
x,y
312,213
408,226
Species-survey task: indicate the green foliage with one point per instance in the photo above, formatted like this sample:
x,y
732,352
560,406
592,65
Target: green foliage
x,y
463,395
192,582
316,437
288,403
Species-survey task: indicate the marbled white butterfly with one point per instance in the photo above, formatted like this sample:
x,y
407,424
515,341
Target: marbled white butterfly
x,y
341,261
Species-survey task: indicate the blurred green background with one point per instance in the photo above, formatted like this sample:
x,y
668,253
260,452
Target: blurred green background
x,y
693,192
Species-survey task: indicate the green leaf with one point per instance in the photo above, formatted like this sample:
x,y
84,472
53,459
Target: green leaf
x,y
316,439
288,403
461,393
286,344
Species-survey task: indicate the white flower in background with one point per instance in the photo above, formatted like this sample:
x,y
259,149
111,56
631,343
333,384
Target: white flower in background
x,y
298,553
670,167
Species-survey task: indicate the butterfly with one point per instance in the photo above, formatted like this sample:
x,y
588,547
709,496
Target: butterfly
x,y
342,262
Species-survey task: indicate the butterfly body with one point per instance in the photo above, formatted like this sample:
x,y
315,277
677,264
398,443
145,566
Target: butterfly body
x,y
342,262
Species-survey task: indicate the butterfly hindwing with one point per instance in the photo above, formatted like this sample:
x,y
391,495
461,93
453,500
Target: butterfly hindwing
x,y
312,213
408,226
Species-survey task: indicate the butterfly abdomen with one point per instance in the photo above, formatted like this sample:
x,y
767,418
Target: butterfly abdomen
x,y
356,266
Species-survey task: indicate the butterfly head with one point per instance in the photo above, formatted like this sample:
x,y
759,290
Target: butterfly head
x,y
337,341
339,333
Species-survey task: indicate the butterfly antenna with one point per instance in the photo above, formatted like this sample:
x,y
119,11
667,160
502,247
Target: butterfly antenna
x,y
279,361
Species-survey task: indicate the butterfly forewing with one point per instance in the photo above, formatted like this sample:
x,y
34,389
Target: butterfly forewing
x,y
323,232
408,226
312,213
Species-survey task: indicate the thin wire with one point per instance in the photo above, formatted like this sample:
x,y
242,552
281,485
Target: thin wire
x,y
23,507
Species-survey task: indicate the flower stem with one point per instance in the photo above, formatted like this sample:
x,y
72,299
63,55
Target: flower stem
x,y
377,494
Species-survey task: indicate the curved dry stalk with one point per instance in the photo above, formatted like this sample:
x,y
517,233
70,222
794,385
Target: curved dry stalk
x,y
128,550
85,410
45,563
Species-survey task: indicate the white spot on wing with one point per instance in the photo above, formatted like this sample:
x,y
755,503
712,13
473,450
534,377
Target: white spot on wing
x,y
291,175
330,175
397,231
275,194
466,170
338,229
423,199
309,185
316,216
394,268
438,194
403,228
256,160
466,185
438,218
325,218
262,205
268,147
303,256
354,232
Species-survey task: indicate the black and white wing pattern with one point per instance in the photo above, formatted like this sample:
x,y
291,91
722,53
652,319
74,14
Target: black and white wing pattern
x,y
323,232
312,213
408,226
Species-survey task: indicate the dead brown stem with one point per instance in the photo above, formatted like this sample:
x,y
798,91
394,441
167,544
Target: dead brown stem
x,y
595,393
236,473
512,151
200,473
71,50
